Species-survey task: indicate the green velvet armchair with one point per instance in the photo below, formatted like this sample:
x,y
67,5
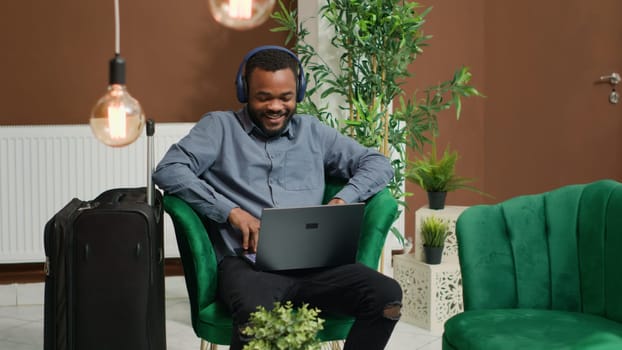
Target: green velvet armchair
x,y
542,271
211,320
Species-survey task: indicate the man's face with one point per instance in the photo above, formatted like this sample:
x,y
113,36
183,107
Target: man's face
x,y
271,99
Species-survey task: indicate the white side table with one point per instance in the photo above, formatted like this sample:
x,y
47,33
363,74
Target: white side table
x,y
432,293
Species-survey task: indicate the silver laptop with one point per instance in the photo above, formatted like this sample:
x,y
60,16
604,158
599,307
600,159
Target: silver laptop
x,y
307,237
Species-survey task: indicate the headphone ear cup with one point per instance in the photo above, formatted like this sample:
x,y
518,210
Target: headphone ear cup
x,y
244,89
302,85
240,88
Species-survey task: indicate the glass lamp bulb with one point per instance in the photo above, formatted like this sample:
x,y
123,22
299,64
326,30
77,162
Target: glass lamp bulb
x,y
241,14
117,119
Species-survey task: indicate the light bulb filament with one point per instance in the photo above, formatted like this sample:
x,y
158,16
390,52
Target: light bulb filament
x,y
241,9
117,121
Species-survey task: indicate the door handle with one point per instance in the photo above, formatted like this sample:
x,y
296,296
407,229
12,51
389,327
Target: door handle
x,y
613,78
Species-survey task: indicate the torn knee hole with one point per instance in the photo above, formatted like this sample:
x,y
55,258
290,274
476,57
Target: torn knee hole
x,y
393,311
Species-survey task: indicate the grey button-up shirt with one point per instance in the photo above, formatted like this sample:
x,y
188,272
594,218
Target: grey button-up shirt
x,y
226,162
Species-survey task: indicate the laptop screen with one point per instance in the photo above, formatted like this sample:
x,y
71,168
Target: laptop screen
x,y
309,237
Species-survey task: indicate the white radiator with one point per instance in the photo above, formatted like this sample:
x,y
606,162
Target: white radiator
x,y
43,167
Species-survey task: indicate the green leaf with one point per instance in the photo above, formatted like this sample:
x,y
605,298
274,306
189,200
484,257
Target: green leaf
x,y
457,105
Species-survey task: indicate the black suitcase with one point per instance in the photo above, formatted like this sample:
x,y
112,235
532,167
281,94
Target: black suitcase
x,y
104,286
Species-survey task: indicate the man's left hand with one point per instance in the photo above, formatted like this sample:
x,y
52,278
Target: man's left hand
x,y
336,201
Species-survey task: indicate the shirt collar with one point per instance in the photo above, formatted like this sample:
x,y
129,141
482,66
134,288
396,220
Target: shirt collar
x,y
249,126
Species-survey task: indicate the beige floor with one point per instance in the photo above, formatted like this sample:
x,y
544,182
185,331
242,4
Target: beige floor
x,y
21,325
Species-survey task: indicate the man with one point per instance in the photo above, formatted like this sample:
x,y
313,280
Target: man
x,y
233,164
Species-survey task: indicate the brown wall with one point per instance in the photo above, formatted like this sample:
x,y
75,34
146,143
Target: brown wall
x,y
458,32
546,121
180,62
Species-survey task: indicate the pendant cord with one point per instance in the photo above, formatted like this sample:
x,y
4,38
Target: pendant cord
x,y
117,30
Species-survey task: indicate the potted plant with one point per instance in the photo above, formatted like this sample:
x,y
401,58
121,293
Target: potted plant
x,y
284,328
433,232
437,176
376,42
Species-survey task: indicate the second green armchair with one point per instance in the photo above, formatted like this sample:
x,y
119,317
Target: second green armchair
x,y
542,271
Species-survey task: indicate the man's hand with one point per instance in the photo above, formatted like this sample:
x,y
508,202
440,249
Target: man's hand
x,y
248,225
336,201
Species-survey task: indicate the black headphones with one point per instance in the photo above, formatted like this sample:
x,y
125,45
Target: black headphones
x,y
240,80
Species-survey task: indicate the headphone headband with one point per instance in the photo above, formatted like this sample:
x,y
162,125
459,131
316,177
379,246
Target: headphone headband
x,y
240,80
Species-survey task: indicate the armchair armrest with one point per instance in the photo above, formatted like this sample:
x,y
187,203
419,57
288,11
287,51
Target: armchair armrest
x,y
380,213
197,254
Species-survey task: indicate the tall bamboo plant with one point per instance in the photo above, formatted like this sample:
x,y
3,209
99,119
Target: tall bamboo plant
x,y
377,41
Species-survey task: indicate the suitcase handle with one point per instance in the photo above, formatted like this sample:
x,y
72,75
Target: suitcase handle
x,y
150,163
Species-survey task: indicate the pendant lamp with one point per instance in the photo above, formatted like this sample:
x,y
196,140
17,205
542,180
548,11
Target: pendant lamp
x,y
241,14
117,119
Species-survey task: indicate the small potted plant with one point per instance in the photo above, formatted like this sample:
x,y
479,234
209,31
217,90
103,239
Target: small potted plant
x,y
437,176
284,328
433,232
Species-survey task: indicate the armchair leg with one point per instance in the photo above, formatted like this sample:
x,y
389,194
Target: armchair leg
x,y
205,344
332,345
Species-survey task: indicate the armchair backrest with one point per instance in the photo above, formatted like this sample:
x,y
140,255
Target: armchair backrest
x,y
556,250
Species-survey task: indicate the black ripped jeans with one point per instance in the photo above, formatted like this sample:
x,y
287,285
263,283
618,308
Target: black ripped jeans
x,y
354,290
